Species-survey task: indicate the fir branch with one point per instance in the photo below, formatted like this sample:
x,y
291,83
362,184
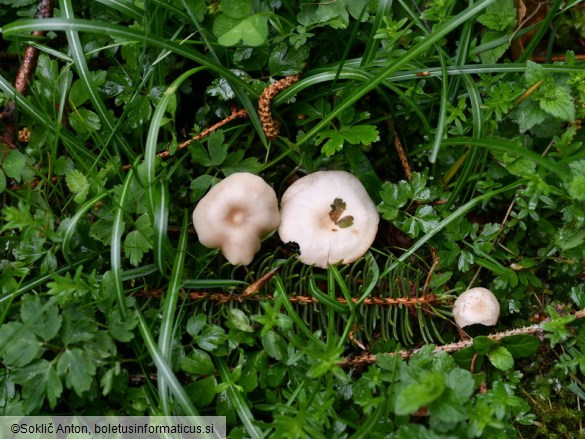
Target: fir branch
x,y
536,330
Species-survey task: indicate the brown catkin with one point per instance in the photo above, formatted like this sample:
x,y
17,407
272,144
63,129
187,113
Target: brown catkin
x,y
270,126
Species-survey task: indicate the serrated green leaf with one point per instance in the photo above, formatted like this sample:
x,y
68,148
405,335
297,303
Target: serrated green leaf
x,y
138,111
557,102
77,368
202,391
198,362
499,15
412,397
528,114
333,144
501,358
211,338
491,56
135,246
78,184
23,348
119,328
13,164
576,187
46,320
360,134
448,408
217,148
285,60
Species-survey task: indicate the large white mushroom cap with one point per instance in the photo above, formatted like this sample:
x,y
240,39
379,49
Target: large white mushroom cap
x,y
476,306
235,214
330,216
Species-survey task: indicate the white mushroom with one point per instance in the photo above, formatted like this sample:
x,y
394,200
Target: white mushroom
x,y
235,214
476,306
330,216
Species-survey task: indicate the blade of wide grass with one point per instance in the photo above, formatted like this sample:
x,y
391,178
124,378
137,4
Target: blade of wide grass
x,y
24,105
237,400
71,225
502,145
240,87
116,244
417,50
82,69
158,195
165,339
165,370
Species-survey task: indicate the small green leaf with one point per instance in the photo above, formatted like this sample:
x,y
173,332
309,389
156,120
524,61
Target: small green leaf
x,y
521,345
13,164
198,362
84,121
360,134
195,324
412,397
23,348
2,181
333,145
501,358
483,345
78,184
252,30
211,338
286,60
236,8
274,345
557,102
46,320
499,15
77,368
239,320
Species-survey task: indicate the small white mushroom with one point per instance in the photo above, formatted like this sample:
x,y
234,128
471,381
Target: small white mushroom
x,y
330,216
476,306
235,214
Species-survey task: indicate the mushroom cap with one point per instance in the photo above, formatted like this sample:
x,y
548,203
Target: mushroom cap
x,y
476,306
324,236
235,214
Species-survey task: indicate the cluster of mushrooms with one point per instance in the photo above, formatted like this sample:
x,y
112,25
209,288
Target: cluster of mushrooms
x,y
328,214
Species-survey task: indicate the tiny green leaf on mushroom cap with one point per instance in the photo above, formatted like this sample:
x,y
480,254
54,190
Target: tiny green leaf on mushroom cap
x,y
330,216
234,216
476,306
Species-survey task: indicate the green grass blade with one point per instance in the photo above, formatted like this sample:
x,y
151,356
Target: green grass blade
x,y
24,27
396,65
125,8
165,339
237,400
83,71
116,244
72,224
503,145
165,370
383,10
